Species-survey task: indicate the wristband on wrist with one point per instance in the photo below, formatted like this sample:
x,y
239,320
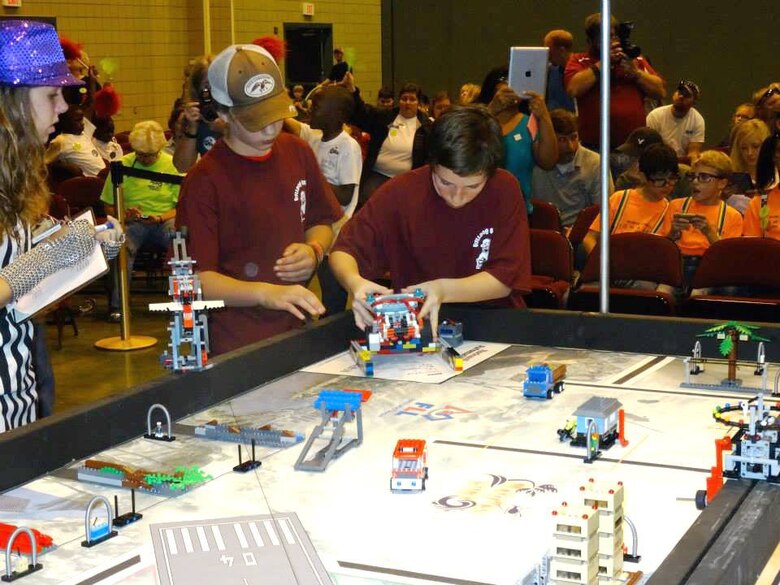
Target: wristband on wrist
x,y
319,253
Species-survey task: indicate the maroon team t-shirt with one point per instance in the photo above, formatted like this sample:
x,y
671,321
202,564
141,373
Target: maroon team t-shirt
x,y
241,214
626,102
408,229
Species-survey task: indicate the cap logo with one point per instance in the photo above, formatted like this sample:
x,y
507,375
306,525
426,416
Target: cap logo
x,y
259,85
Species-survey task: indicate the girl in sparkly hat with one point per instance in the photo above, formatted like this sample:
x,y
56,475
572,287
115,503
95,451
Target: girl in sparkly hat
x,y
33,72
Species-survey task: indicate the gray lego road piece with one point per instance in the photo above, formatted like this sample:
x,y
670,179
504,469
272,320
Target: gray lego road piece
x,y
245,550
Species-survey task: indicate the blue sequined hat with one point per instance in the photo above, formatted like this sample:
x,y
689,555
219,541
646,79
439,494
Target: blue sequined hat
x,y
31,55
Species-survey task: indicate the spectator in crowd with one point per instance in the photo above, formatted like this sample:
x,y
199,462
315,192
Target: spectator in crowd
x,y
747,139
632,81
397,136
624,162
743,113
762,216
644,209
441,103
340,67
299,101
341,162
477,247
468,94
198,127
680,124
529,138
73,147
104,141
150,206
575,181
257,207
560,43
767,102
704,218
385,99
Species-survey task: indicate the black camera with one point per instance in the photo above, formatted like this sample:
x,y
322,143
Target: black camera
x,y
208,108
623,32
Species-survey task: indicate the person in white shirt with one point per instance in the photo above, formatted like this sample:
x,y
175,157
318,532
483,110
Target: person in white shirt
x,y
104,141
341,162
73,147
680,124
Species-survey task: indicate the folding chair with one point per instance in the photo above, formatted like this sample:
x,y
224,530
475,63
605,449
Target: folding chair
x,y
744,264
551,270
545,216
633,257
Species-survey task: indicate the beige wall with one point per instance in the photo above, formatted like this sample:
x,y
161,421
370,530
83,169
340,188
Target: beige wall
x,y
152,41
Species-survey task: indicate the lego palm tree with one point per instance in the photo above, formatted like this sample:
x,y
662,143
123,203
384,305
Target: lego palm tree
x,y
730,334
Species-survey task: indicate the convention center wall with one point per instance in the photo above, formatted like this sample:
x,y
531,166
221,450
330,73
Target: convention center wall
x,y
147,44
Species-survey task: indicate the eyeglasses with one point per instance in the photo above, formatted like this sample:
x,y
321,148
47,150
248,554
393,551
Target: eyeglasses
x,y
703,177
664,181
769,93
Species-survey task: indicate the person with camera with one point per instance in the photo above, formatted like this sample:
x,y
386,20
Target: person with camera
x,y
198,127
633,80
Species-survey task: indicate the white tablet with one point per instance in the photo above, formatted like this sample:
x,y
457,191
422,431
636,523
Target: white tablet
x,y
528,69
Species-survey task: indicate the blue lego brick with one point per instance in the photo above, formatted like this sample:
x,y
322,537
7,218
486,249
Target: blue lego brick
x,y
338,400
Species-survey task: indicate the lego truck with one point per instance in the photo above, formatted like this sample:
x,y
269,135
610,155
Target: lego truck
x,y
542,380
409,466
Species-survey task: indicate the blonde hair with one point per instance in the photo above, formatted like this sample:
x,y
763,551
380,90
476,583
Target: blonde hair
x,y
24,194
741,134
147,137
471,91
559,38
716,160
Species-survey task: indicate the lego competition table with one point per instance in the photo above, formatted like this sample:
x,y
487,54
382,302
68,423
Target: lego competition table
x,y
497,467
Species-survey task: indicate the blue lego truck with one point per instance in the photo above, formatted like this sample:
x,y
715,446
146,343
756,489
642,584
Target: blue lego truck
x,y
542,380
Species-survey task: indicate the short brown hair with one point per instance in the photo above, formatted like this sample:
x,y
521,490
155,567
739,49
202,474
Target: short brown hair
x,y
559,38
563,121
593,25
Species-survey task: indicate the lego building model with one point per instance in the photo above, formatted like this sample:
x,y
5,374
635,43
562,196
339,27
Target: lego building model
x,y
189,323
337,408
410,468
542,380
729,334
753,452
600,421
574,557
183,479
264,436
397,329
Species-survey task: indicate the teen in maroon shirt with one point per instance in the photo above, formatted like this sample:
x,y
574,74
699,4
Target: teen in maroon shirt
x,y
257,207
456,228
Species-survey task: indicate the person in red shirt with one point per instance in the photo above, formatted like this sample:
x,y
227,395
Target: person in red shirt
x,y
257,208
632,81
455,228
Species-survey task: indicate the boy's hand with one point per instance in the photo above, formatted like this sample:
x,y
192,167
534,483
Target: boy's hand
x,y
297,264
360,290
434,297
294,299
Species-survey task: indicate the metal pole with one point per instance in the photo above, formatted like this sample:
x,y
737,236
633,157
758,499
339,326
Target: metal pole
x,y
207,27
125,341
606,41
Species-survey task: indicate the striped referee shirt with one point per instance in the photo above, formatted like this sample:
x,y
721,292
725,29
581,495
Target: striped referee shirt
x,y
18,395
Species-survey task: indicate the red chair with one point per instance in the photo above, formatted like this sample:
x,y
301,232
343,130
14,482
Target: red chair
x,y
581,225
551,270
545,216
746,263
633,257
82,193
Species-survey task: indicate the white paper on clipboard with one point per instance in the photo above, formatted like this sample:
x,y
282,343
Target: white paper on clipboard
x,y
63,282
